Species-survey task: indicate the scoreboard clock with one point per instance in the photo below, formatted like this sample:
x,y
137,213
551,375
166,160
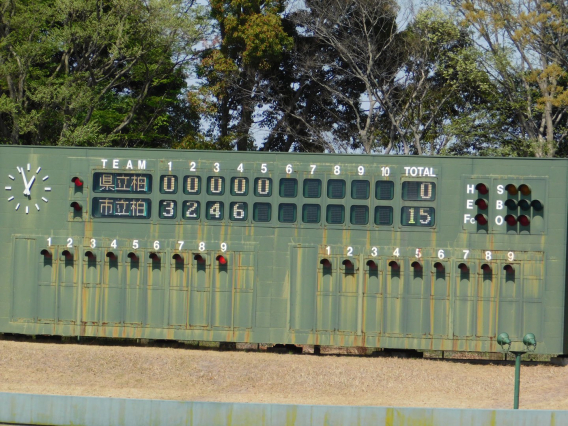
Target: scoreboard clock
x,y
375,251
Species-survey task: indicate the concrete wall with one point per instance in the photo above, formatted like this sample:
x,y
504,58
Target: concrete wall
x,y
28,409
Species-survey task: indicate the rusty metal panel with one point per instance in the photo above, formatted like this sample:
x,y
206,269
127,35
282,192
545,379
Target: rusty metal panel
x,y
453,262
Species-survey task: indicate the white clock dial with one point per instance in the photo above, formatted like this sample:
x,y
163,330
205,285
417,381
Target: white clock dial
x,y
26,189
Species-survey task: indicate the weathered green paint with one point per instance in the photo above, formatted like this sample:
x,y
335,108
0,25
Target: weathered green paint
x,y
274,287
54,410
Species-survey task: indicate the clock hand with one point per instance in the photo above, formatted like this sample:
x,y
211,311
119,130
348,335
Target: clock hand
x,y
29,185
26,191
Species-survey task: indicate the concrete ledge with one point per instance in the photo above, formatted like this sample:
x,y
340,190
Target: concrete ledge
x,y
559,360
57,410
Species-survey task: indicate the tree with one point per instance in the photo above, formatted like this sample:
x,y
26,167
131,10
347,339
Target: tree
x,y
92,72
392,90
250,45
525,44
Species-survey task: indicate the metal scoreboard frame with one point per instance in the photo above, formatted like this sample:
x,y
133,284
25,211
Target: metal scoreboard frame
x,y
425,253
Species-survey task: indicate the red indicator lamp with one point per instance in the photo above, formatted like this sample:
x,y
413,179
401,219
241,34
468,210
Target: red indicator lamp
x,y
439,267
482,188
486,268
199,259
524,220
481,204
67,254
326,263
348,264
155,257
463,267
132,256
417,266
511,220
481,219
372,265
77,181
78,207
178,258
221,259
394,266
90,255
508,269
46,253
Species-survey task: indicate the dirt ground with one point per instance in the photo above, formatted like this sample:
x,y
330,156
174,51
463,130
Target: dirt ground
x,y
209,375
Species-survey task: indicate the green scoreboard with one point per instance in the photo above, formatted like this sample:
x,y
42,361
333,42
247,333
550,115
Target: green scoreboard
x,y
425,253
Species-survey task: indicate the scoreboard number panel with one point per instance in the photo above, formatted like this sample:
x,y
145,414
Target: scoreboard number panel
x,y
364,250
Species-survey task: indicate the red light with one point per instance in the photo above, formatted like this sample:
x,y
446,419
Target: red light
x,y
90,255
486,268
131,256
46,253
482,188
439,267
221,260
67,254
78,207
348,264
77,181
154,257
463,267
417,266
524,220
511,220
372,265
481,203
509,269
177,258
199,258
481,219
395,266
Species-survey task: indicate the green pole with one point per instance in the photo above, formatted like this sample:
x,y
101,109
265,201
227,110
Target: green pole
x,y
517,377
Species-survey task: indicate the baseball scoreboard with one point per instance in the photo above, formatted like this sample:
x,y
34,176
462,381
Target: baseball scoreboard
x,y
343,250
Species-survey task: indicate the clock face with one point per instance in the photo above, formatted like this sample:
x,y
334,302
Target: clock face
x,y
27,189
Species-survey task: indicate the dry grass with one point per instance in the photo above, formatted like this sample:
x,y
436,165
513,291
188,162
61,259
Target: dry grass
x,y
207,375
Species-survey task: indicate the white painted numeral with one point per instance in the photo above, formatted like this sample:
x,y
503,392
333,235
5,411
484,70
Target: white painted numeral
x,y
170,166
93,243
156,245
487,255
241,168
216,167
349,251
337,170
465,254
418,253
511,256
192,166
396,252
374,252
180,245
441,254
289,169
49,242
312,168
263,168
113,244
223,246
361,170
69,242
201,246
328,249
385,171
135,244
